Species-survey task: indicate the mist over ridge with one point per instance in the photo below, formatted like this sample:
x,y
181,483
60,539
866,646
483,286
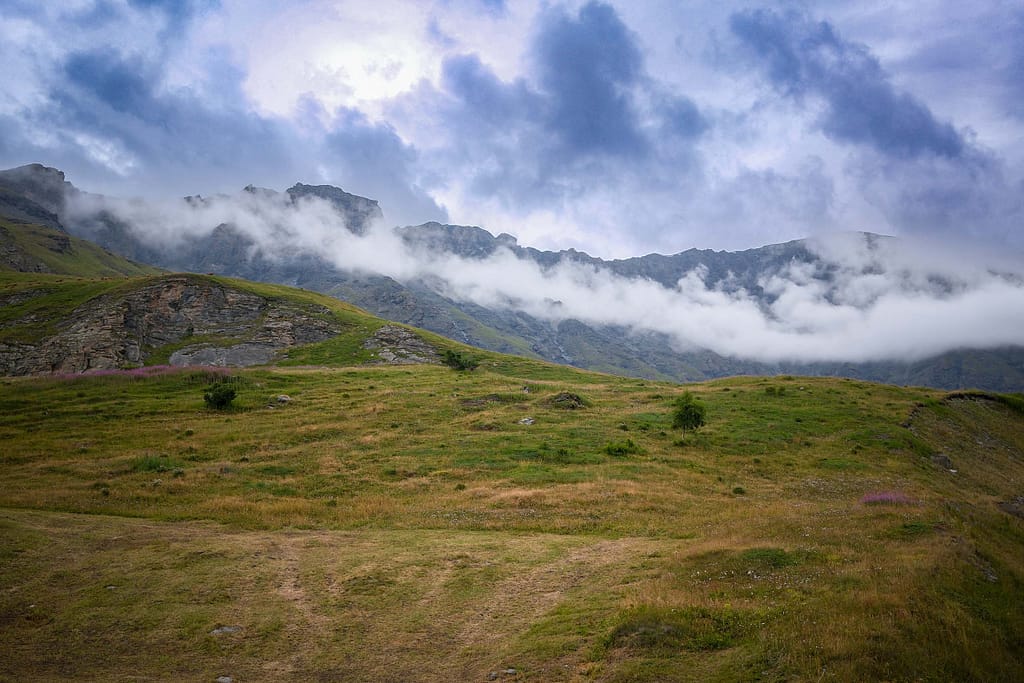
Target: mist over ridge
x,y
843,297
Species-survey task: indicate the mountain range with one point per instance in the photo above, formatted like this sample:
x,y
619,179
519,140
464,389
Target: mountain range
x,y
42,196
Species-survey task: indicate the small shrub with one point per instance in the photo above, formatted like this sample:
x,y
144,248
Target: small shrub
x,y
154,463
739,490
841,464
459,361
766,559
568,401
276,470
688,413
219,396
909,530
696,629
620,448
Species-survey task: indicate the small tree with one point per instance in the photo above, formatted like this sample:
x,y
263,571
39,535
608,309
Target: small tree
x,y
219,396
688,413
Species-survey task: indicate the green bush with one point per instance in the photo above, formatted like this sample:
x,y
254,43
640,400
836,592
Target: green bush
x,y
620,448
459,361
688,413
219,396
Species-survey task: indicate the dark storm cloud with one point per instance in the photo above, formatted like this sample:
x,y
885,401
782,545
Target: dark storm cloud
x,y
485,97
108,96
588,66
588,69
586,117
805,57
681,117
177,12
98,15
113,81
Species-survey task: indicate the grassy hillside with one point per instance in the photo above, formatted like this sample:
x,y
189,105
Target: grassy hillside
x,y
410,523
32,248
36,306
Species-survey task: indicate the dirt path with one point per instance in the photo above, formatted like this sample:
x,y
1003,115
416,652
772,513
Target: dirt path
x,y
428,615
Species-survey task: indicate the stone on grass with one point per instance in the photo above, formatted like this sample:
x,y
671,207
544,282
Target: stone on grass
x,y
221,630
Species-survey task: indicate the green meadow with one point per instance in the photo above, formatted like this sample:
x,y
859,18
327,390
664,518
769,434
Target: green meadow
x,y
521,521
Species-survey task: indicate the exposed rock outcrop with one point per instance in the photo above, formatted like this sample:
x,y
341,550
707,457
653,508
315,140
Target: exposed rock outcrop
x,y
39,191
396,345
232,327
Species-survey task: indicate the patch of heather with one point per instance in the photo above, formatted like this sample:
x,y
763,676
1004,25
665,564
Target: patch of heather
x,y
148,371
887,498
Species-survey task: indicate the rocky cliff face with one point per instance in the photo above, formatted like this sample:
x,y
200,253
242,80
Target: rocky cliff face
x,y
34,194
231,327
41,186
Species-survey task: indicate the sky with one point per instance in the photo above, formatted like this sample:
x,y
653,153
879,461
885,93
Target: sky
x,y
616,128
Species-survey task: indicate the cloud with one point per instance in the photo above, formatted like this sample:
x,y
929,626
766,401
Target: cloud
x,y
1013,69
588,66
371,159
122,116
178,13
495,6
956,200
681,118
864,298
918,172
607,126
805,57
113,81
111,101
581,135
487,100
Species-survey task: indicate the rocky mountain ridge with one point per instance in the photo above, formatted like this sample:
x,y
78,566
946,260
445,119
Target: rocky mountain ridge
x,y
424,302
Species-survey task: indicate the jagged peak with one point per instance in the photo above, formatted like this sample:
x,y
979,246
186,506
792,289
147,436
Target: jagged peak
x,y
35,169
328,192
